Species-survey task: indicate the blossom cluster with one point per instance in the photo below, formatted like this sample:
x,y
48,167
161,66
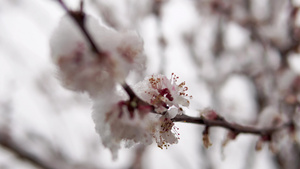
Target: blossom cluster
x,y
119,117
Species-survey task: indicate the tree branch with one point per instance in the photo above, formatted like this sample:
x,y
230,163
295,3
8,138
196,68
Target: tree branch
x,y
219,122
55,161
230,126
20,152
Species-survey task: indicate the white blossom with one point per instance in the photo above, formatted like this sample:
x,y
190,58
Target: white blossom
x,y
167,97
116,122
165,132
163,93
81,69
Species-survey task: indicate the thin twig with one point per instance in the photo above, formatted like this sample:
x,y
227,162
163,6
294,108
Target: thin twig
x,y
129,91
79,18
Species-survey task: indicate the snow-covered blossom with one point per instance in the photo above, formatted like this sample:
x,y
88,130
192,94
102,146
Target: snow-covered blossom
x,y
124,122
81,69
117,119
120,119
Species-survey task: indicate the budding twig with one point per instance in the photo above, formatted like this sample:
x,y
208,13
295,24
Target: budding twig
x,y
230,126
218,122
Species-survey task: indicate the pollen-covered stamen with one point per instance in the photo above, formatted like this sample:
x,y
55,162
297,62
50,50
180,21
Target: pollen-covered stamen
x,y
154,82
166,125
182,88
166,93
175,131
159,101
168,133
181,85
174,78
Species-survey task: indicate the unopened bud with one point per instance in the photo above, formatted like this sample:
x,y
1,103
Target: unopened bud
x,y
206,141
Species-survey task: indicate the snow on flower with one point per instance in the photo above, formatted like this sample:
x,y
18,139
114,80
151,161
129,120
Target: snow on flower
x,y
117,119
81,69
120,119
